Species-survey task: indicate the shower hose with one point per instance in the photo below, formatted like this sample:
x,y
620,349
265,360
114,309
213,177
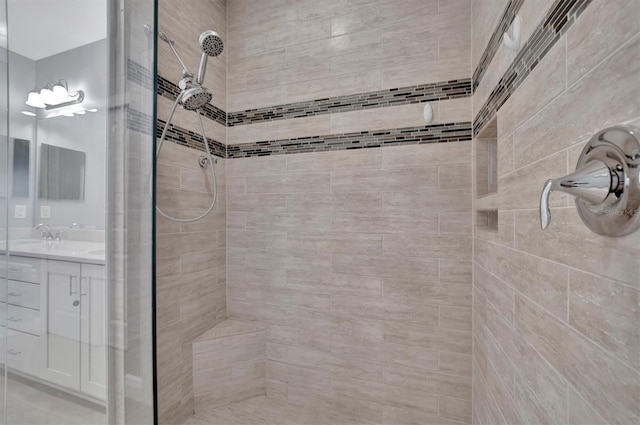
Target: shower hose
x,y
209,157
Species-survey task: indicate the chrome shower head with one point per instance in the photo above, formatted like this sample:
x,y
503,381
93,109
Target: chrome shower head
x,y
211,45
195,98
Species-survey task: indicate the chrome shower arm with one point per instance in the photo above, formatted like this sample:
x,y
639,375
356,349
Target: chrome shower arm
x,y
170,42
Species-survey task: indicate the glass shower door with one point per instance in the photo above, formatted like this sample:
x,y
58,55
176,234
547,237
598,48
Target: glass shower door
x,y
75,317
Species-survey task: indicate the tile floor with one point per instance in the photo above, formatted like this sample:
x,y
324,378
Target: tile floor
x,y
35,404
269,411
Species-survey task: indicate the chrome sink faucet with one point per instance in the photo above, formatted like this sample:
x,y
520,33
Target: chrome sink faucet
x,y
46,234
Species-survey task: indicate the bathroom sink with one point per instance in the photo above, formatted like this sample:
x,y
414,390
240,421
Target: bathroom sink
x,y
64,249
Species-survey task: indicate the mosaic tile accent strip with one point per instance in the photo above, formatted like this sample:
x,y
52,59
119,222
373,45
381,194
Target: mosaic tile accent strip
x,y
438,133
168,89
184,137
142,123
139,74
513,6
139,121
558,20
143,76
379,99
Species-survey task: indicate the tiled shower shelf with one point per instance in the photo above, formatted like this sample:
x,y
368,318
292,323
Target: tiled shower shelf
x,y
487,220
486,160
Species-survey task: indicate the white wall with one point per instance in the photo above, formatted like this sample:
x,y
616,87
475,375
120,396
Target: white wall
x,y
84,68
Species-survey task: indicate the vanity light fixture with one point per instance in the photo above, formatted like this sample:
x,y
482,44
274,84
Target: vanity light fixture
x,y
52,96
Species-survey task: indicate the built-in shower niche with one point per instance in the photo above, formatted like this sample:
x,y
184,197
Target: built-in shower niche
x,y
486,160
487,220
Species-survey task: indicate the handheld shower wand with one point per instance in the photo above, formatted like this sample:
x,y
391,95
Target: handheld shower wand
x,y
193,96
211,45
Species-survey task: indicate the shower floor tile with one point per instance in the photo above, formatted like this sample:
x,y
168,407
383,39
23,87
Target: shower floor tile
x,y
269,411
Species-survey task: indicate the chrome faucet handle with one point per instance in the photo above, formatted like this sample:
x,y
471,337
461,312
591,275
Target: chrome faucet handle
x,y
59,235
606,183
45,234
592,182
76,225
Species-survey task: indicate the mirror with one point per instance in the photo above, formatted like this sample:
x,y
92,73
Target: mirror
x,y
19,151
62,173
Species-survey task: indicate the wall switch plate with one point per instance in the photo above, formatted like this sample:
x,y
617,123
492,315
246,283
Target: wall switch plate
x,y
20,211
45,211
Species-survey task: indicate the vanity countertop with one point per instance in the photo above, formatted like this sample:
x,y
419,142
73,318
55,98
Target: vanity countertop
x,y
65,250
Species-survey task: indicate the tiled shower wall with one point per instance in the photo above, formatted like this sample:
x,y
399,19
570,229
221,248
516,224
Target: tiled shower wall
x,y
556,312
190,257
358,262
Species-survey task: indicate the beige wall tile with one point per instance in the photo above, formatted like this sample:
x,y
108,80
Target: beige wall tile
x,y
544,281
256,166
579,412
337,160
546,82
384,266
433,383
427,200
386,180
455,223
454,363
288,221
289,183
453,408
387,395
521,189
598,33
436,70
528,406
606,96
607,312
455,110
281,129
501,295
257,202
441,339
385,118
375,221
427,155
428,292
567,235
441,246
611,387
455,318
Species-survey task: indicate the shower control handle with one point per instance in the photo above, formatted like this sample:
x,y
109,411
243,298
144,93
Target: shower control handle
x,y
592,182
606,183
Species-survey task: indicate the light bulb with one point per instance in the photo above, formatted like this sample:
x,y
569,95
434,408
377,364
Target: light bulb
x,y
48,96
92,110
81,112
28,113
60,93
35,100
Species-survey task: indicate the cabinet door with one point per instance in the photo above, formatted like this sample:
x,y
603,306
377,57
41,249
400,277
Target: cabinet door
x,y
93,330
60,304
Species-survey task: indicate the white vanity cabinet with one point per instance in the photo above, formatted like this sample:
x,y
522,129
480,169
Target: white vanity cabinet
x,y
60,299
73,338
93,331
20,316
